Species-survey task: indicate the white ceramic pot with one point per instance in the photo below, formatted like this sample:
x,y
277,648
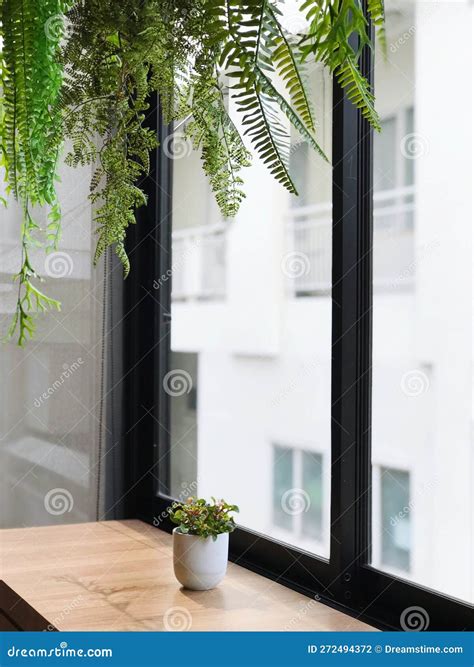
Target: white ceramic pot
x,y
200,563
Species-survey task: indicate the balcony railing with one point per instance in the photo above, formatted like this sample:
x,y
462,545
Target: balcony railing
x,y
199,253
199,263
309,234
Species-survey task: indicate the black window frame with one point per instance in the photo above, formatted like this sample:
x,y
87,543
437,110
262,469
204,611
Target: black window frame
x,y
346,581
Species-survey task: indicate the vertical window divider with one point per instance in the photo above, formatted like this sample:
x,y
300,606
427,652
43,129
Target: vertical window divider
x,y
164,278
351,337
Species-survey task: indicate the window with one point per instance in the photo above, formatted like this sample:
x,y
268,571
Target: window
x,y
350,350
298,493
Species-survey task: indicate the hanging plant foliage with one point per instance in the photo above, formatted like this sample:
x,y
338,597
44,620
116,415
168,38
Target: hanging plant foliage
x,y
93,87
30,136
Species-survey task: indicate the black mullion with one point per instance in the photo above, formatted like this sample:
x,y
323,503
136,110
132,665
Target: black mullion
x,y
351,312
140,338
163,299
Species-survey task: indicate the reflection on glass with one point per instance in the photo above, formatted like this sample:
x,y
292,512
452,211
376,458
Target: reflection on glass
x,y
422,447
395,501
184,390
251,325
312,465
282,482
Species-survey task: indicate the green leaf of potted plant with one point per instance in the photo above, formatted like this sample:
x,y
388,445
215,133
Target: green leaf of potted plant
x,y
201,541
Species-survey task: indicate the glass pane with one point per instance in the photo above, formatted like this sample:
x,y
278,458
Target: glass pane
x,y
423,348
182,385
384,154
51,404
251,307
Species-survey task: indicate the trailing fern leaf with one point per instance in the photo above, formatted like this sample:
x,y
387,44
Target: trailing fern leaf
x,y
222,149
333,25
285,59
376,10
30,136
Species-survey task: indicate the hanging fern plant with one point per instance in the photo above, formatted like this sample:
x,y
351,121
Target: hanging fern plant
x,y
94,87
30,79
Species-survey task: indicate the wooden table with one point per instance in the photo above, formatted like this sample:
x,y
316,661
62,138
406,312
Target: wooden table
x,y
118,575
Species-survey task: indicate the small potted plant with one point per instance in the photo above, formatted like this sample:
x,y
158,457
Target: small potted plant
x,y
201,541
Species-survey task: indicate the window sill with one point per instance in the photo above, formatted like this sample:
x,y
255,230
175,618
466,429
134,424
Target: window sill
x,y
118,575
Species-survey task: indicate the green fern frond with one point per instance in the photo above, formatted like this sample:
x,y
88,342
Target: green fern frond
x,y
269,137
246,58
332,27
31,301
358,90
376,11
268,87
30,134
282,55
223,152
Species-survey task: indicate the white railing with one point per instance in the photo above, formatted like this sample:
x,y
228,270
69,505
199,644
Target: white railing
x,y
394,240
199,263
199,253
309,237
309,232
